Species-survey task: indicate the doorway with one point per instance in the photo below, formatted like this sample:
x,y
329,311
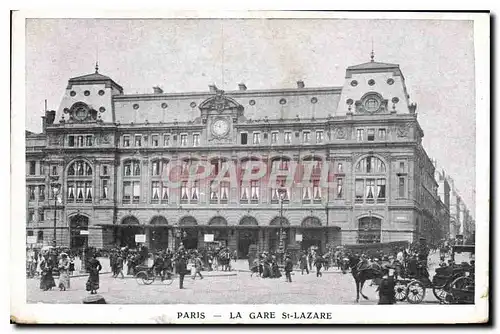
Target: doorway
x,y
246,238
189,237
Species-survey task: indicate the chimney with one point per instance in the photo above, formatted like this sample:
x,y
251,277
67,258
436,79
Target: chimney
x,y
157,90
300,84
212,88
242,87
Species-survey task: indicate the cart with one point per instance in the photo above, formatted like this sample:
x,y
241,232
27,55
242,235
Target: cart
x,y
146,276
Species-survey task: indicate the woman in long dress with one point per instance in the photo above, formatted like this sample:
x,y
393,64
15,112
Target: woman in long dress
x,y
93,281
64,272
46,279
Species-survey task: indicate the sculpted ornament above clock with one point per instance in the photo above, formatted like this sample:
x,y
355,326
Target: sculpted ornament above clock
x,y
220,127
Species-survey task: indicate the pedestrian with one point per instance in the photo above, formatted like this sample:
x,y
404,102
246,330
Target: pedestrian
x,y
119,266
303,263
93,280
386,293
318,263
197,267
181,270
310,259
64,282
46,278
288,268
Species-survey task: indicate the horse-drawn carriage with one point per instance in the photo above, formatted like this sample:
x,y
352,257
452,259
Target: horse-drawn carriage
x,y
452,284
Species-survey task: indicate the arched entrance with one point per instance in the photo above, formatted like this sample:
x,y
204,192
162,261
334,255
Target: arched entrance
x,y
370,230
189,232
248,235
312,233
274,233
218,227
158,233
78,223
128,229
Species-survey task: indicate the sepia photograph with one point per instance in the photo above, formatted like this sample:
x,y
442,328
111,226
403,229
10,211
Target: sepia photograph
x,y
256,167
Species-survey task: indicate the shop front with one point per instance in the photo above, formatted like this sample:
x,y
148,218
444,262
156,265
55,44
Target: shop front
x,y
79,227
248,234
158,233
126,231
188,232
313,234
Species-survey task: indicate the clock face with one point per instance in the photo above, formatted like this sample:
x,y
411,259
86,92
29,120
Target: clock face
x,y
220,127
81,113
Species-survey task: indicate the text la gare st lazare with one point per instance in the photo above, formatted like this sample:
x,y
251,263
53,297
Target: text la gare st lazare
x,y
262,315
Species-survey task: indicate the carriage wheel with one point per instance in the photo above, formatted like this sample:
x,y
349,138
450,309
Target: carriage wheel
x,y
415,292
400,291
460,290
440,292
143,277
168,281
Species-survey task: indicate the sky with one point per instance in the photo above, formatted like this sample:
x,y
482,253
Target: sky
x,y
180,55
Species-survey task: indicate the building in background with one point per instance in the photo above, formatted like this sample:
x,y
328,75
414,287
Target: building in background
x,y
110,152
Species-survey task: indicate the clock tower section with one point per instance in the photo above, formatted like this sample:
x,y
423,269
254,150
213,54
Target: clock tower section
x,y
219,113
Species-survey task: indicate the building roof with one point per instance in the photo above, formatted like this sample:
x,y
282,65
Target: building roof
x,y
95,77
372,65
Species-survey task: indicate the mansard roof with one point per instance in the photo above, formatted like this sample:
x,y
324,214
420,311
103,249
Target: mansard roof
x,y
94,78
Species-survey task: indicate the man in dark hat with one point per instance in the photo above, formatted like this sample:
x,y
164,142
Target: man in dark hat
x,y
288,268
181,269
386,291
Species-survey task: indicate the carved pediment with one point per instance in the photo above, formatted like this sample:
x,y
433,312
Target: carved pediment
x,y
219,103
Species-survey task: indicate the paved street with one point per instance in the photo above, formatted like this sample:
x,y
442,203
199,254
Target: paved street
x,y
332,288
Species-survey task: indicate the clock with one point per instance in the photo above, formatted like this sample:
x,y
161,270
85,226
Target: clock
x,y
81,113
220,127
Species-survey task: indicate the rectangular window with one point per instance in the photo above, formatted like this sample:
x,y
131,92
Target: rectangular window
x,y
370,134
54,170
359,190
288,138
360,133
340,168
402,167
244,138
136,191
155,192
40,167
31,216
319,137
381,134
306,194
401,187
340,187
88,140
155,140
88,192
126,141
71,191
274,137
71,141
164,193
195,191
155,168
166,140
80,191
184,140
41,193
381,188
256,138
104,170
41,215
370,189
244,192
32,168
316,191
137,140
224,192
196,139
306,137
214,192
184,192
127,191
79,141
254,191
31,193
104,194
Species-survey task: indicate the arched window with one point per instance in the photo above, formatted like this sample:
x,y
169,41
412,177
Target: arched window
x,y
370,182
132,183
79,182
159,181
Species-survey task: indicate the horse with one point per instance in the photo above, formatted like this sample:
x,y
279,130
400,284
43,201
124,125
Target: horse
x,y
361,272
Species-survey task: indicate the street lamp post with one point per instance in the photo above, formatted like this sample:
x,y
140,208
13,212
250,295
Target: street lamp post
x,y
55,191
281,193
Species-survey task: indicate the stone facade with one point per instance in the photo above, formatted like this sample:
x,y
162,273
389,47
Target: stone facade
x,y
109,153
